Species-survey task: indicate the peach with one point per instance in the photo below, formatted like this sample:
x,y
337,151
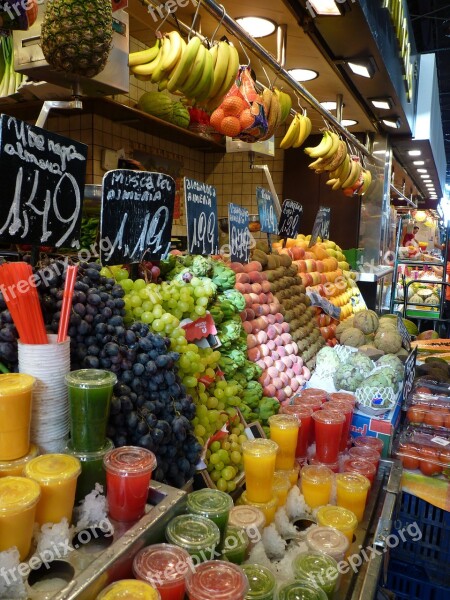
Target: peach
x,y
241,287
301,264
254,354
262,298
247,327
266,287
306,373
261,336
264,350
275,355
272,372
297,369
277,383
242,278
256,288
265,309
270,391
271,319
268,362
288,391
279,364
310,265
265,378
271,345
279,317
250,314
280,395
254,298
289,349
282,351
271,332
287,361
294,385
284,378
285,327
279,341
287,338
290,373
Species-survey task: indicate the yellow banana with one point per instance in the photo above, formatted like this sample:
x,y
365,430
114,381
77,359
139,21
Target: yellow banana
x,y
158,72
367,176
231,74
336,160
203,87
305,130
321,149
149,68
355,172
144,56
291,134
334,146
196,72
172,56
221,51
181,71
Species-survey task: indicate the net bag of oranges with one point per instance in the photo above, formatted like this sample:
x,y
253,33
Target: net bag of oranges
x,y
241,113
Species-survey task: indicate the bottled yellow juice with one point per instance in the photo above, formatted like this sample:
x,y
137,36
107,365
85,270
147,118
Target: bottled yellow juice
x,y
15,415
259,466
129,589
340,518
281,486
352,489
284,431
316,481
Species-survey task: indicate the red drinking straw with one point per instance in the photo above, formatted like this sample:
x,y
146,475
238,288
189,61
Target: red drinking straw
x,y
69,286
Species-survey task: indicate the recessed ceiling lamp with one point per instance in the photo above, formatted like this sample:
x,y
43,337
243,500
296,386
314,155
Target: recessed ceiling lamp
x,y
425,176
414,152
348,122
364,67
422,171
329,104
393,122
257,27
303,74
324,7
418,162
382,103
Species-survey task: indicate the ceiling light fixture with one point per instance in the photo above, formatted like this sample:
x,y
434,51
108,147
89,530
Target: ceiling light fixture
x,y
348,122
329,104
324,7
422,171
382,103
393,122
363,68
418,162
257,27
303,74
414,152
425,176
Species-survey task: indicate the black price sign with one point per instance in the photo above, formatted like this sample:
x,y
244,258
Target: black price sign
x,y
43,176
137,214
266,211
239,233
410,374
201,217
321,226
291,214
406,338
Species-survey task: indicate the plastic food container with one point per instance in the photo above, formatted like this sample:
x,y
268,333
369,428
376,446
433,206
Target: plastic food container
x,y
320,568
19,497
92,469
300,590
261,582
369,441
343,396
352,490
361,466
329,541
128,473
267,508
164,567
129,589
212,504
284,432
259,466
427,410
218,580
16,390
316,483
304,415
198,535
365,453
328,426
429,452
281,486
236,545
249,518
57,475
340,518
14,468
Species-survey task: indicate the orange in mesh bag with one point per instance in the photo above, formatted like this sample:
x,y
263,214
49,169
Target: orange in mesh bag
x,y
241,113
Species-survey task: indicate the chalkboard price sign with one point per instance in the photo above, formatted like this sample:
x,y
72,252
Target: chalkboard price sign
x,y
201,217
266,211
136,217
321,226
406,338
291,214
43,176
239,233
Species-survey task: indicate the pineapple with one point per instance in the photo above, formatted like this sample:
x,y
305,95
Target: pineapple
x,y
76,35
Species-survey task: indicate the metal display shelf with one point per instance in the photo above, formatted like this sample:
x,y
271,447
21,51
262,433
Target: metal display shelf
x,y
374,275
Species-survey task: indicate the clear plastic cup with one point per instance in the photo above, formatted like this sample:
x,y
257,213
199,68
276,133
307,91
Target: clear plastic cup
x,y
267,508
340,518
343,396
16,390
300,590
370,442
198,535
284,432
217,579
352,490
281,486
304,415
235,547
293,474
90,392
327,540
365,453
212,504
250,519
19,497
259,466
364,467
57,475
335,467
316,484
164,567
314,402
317,568
92,469
15,468
261,582
328,427
128,474
344,407
311,393
129,589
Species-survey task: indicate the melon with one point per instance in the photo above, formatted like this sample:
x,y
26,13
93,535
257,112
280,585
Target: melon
x,y
428,335
180,115
157,104
389,342
353,337
366,321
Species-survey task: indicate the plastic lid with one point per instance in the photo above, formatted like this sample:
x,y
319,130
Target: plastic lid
x,y
193,532
327,540
284,421
129,589
17,494
53,468
343,396
333,466
235,539
359,465
313,393
316,565
217,579
316,473
337,516
91,378
328,416
281,480
16,464
15,383
370,442
261,581
301,590
312,402
364,452
262,505
129,460
88,456
352,481
259,447
245,516
343,405
301,411
162,564
209,503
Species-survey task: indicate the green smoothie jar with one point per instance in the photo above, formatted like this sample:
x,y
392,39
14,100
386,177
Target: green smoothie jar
x,y
300,590
317,568
196,534
212,504
92,469
90,392
261,581
235,546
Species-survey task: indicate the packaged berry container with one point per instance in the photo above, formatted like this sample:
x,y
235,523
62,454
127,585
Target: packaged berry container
x,y
424,450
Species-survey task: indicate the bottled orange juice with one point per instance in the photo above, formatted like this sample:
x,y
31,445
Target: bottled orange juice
x,y
57,475
284,431
15,468
18,499
259,466
317,481
340,518
281,486
129,589
15,415
352,489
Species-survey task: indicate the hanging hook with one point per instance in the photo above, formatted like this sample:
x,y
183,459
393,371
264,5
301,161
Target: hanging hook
x,y
245,53
299,105
158,31
265,73
224,12
194,19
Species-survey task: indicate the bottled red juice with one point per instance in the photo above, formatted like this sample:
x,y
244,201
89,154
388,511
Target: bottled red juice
x,y
328,426
314,402
344,407
304,415
217,580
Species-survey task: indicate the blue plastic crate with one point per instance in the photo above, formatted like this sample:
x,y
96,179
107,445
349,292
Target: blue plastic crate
x,y
409,582
432,552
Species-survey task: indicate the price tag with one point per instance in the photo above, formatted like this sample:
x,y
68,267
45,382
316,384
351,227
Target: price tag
x,y
291,214
254,431
406,338
136,216
410,374
43,176
266,211
201,217
321,226
239,233
317,300
440,441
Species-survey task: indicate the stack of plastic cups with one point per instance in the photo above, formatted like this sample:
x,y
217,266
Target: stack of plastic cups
x,y
48,364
